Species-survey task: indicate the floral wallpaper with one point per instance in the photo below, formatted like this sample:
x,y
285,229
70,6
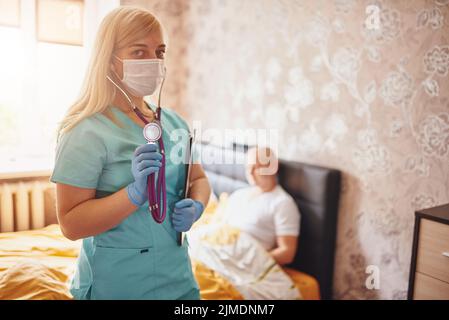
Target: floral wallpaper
x,y
361,86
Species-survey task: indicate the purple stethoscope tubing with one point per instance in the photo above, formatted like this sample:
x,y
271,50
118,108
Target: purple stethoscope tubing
x,y
157,194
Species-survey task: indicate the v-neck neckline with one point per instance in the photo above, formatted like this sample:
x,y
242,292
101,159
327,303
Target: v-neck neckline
x,y
128,119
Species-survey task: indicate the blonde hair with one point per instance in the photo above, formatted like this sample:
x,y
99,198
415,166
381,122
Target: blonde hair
x,y
120,28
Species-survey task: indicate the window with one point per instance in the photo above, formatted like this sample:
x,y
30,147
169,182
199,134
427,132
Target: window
x,y
41,73
10,13
60,21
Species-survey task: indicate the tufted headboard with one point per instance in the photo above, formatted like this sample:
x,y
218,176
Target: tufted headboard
x,y
316,191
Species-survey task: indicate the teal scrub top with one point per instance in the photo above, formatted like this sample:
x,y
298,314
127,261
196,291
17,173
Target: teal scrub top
x,y
139,258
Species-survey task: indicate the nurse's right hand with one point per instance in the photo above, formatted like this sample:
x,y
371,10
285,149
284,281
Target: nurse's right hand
x,y
146,160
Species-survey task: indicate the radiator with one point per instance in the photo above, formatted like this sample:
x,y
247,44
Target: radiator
x,y
22,205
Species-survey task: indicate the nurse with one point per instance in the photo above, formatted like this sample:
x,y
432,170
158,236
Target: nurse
x,y
102,166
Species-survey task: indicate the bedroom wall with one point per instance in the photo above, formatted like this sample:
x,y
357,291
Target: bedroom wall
x,y
373,103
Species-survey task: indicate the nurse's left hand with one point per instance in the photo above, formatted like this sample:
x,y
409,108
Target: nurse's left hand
x,y
186,212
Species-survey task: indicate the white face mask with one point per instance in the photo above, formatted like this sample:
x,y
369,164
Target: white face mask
x,y
142,77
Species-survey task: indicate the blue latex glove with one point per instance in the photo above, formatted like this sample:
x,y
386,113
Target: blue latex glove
x,y
146,160
186,212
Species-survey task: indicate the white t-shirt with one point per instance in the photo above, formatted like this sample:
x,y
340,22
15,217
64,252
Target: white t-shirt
x,y
264,215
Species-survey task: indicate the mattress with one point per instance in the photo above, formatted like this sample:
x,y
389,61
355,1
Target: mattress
x,y
38,264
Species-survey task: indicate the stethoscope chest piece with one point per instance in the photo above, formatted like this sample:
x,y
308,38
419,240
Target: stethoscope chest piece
x,y
152,131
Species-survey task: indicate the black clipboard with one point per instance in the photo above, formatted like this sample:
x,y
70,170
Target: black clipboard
x,y
188,163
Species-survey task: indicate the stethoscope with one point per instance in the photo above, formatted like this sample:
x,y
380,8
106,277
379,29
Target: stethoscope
x,y
152,132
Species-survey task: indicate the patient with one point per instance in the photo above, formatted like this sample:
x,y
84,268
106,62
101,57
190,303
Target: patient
x,y
265,210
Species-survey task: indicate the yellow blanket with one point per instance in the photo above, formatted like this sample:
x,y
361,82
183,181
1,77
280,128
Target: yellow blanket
x,y
222,285
36,264
243,261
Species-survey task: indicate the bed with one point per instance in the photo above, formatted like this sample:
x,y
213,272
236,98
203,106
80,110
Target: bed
x,y
37,264
316,191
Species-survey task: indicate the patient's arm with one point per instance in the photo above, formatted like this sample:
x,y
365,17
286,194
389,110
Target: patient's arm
x,y
285,251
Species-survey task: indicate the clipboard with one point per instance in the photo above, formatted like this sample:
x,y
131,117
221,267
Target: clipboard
x,y
180,235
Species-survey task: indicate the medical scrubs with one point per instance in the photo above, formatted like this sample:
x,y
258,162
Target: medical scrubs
x,y
139,258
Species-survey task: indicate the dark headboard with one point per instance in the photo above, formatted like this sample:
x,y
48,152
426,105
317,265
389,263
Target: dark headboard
x,y
316,191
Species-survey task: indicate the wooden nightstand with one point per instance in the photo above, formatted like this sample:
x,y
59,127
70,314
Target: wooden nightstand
x,y
429,269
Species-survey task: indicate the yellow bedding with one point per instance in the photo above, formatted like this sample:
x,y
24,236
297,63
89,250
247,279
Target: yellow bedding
x,y
215,287
37,264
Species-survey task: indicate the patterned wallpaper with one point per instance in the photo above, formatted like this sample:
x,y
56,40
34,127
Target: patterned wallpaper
x,y
372,102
